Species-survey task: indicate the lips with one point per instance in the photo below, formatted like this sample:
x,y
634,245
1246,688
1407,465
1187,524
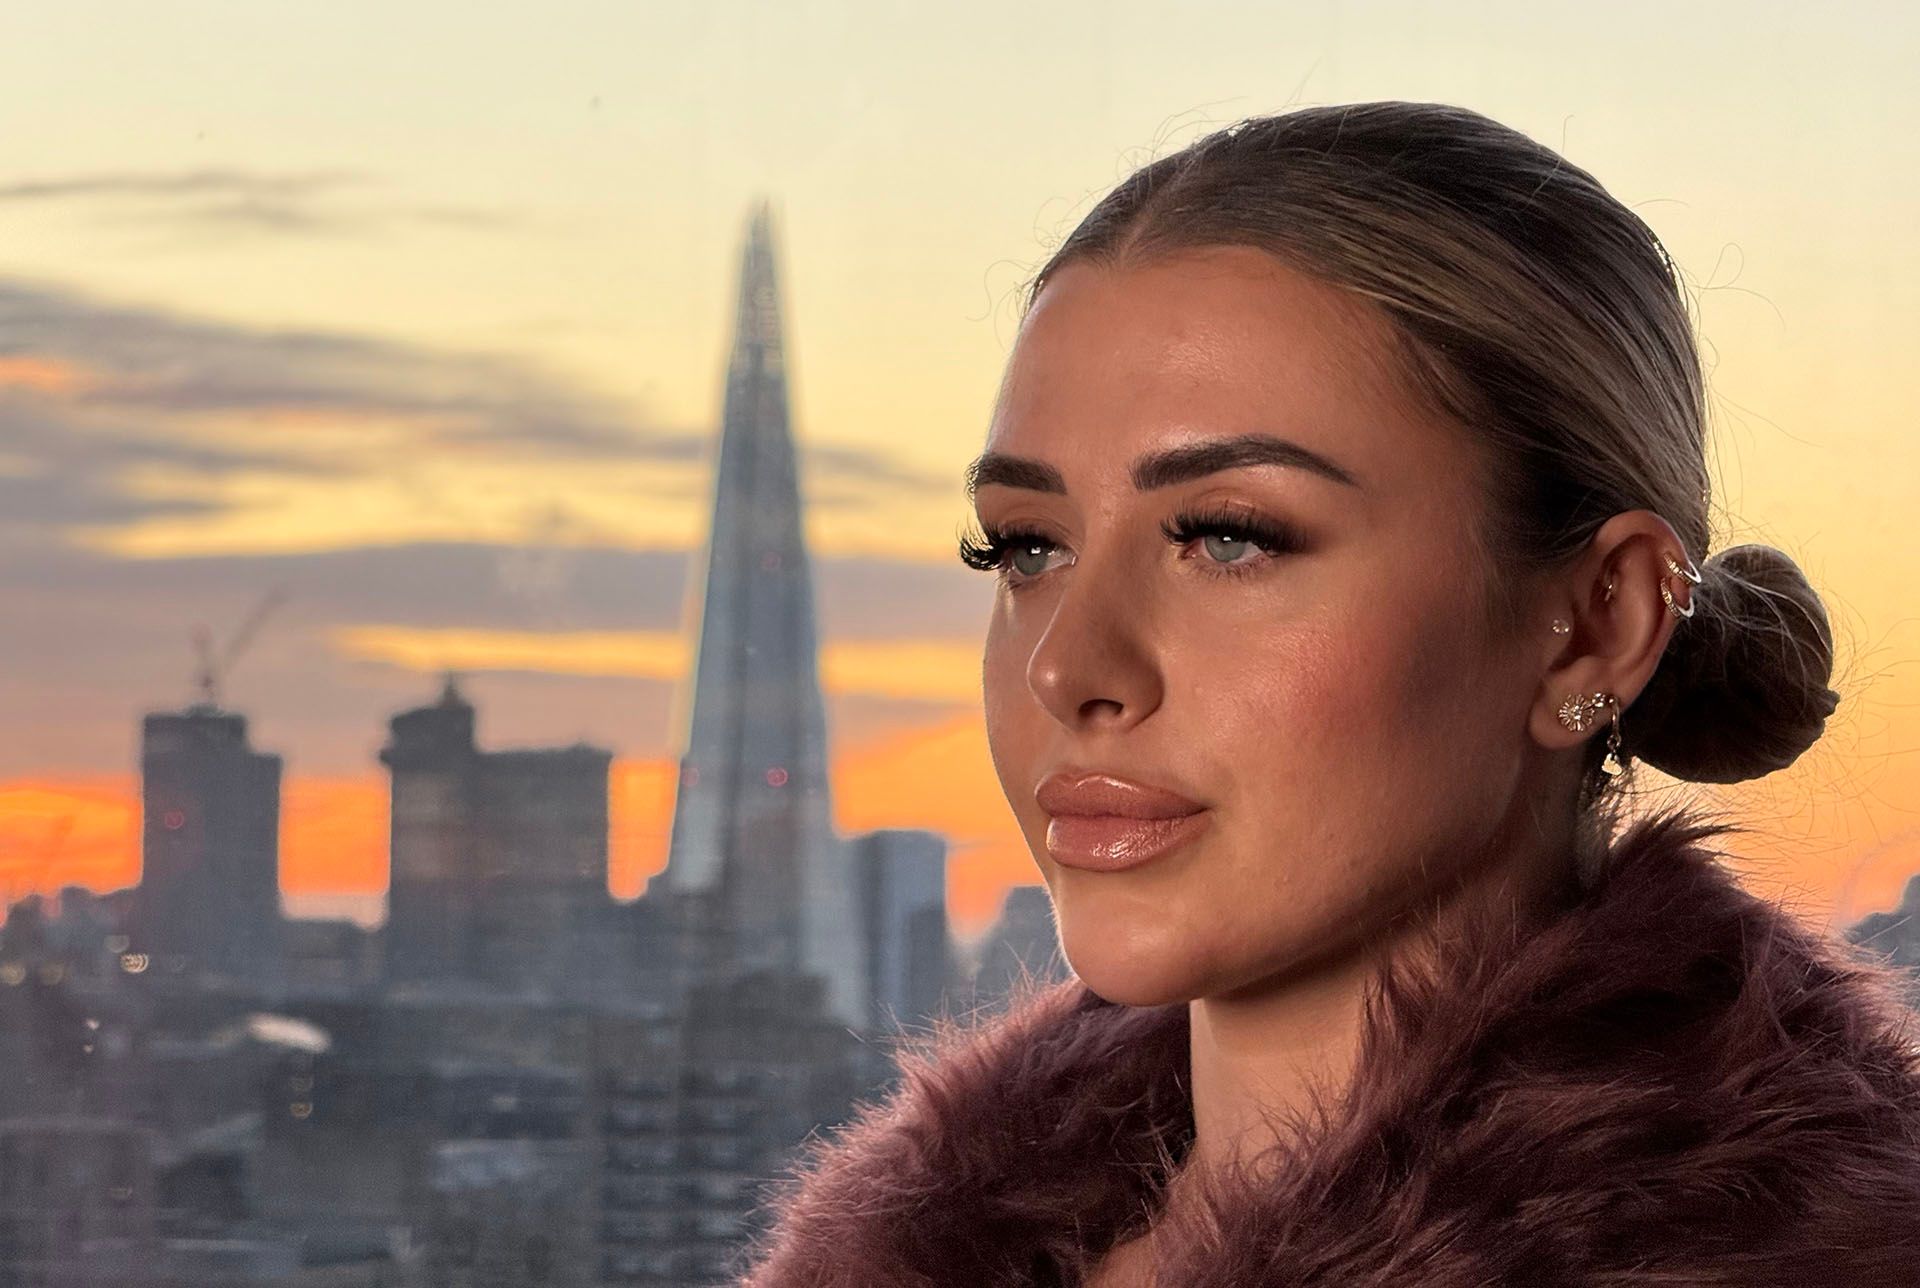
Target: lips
x,y
1105,823
1106,795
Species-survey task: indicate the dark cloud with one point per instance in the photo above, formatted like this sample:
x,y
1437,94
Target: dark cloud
x,y
105,394
147,362
61,469
143,381
529,587
92,641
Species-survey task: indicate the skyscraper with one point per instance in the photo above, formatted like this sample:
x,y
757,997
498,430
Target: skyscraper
x,y
753,820
499,858
903,902
209,896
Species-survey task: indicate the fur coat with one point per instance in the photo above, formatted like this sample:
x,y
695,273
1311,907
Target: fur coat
x,y
1665,1081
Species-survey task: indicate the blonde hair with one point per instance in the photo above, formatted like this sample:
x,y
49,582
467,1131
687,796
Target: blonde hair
x,y
1542,316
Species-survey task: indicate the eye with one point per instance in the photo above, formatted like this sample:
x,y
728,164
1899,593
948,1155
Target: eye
x,y
1000,549
1231,536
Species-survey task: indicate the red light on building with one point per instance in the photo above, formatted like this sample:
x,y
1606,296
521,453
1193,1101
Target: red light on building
x,y
174,820
776,777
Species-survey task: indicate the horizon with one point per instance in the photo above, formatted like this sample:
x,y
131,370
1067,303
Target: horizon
x,y
434,348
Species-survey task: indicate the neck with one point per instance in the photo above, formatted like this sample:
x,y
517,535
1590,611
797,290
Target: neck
x,y
1264,1054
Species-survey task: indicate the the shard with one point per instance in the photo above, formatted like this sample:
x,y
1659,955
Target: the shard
x,y
753,819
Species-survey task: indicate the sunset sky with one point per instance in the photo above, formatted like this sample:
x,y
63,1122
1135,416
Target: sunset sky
x,y
417,313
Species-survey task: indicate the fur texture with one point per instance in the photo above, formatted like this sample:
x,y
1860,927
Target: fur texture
x,y
1667,1081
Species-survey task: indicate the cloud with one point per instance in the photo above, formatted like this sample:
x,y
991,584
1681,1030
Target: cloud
x,y
236,459
150,361
97,640
917,669
155,433
179,183
118,421
229,200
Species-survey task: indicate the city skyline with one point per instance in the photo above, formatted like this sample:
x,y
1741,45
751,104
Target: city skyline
x,y
437,345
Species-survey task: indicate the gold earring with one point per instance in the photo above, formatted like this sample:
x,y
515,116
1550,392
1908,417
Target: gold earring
x,y
1577,712
1606,596
1614,764
1674,569
1690,572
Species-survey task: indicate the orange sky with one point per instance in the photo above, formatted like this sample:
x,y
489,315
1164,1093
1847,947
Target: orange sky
x,y
1806,848
86,830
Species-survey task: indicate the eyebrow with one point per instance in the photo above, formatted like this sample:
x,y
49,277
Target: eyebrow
x,y
1165,467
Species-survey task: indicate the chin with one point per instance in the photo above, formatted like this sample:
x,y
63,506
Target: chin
x,y
1133,977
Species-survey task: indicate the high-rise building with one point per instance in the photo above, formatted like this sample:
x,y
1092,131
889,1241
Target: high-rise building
x,y
753,820
1021,949
694,1136
499,858
208,903
902,882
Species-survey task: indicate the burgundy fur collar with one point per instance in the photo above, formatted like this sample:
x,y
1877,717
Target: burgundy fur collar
x,y
1672,1082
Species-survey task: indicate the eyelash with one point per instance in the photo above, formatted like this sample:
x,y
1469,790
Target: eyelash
x,y
989,553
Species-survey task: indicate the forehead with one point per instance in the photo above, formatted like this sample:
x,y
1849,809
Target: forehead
x,y
1112,362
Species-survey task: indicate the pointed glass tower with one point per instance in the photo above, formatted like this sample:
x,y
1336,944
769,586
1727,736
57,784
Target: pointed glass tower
x,y
753,820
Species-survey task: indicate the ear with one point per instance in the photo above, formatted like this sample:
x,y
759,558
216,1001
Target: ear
x,y
1615,643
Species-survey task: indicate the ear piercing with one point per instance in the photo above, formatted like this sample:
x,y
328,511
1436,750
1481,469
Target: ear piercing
x,y
1579,710
1674,569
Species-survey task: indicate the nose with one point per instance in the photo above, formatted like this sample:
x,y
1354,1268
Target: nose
x,y
1095,662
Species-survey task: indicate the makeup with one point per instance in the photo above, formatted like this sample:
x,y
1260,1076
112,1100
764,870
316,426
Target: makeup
x,y
1106,843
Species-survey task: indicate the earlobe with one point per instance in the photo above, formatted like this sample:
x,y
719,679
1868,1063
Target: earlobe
x,y
1580,710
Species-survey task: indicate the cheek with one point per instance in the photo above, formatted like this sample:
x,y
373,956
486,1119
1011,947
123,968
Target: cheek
x,y
1352,709
1006,706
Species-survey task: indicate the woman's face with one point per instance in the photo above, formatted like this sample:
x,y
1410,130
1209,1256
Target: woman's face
x,y
1334,702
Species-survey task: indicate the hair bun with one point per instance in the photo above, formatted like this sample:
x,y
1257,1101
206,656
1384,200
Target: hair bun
x,y
1743,687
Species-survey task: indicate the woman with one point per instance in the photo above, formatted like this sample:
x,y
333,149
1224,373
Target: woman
x,y
1347,495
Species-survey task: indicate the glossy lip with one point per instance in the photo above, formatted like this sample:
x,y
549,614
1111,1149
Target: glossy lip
x,y
1106,823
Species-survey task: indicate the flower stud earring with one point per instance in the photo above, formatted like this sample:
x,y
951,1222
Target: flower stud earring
x,y
1561,627
1578,711
1674,569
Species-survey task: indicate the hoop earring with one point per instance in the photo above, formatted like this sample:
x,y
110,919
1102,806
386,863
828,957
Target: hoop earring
x,y
1614,764
1674,569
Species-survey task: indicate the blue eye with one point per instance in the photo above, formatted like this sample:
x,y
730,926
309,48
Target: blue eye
x,y
990,552
1233,532
1238,532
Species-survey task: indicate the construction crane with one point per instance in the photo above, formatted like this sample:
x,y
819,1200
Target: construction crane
x,y
211,670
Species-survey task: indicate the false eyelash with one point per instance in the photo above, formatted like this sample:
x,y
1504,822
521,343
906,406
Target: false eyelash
x,y
989,552
1269,535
